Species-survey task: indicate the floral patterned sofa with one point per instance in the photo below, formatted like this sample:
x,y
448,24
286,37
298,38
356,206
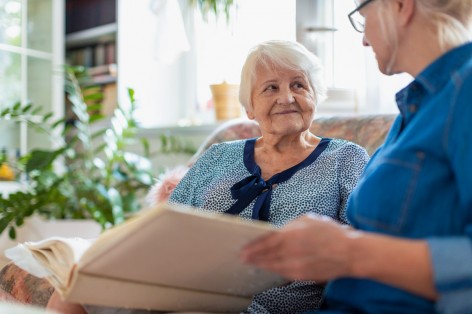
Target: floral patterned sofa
x,y
368,131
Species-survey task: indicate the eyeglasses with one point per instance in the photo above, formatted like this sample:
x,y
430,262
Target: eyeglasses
x,y
356,19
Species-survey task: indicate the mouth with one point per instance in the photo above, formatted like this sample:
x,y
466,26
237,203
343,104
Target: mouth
x,y
286,112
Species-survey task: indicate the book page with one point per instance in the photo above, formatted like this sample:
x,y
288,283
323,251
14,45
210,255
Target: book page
x,y
52,258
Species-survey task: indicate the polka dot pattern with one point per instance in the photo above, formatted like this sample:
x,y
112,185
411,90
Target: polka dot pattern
x,y
322,187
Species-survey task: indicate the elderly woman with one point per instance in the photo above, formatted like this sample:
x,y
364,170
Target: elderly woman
x,y
412,208
286,172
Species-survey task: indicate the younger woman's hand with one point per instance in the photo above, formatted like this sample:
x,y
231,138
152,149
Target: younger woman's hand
x,y
312,247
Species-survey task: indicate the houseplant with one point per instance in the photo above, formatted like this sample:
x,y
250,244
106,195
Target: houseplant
x,y
216,7
79,179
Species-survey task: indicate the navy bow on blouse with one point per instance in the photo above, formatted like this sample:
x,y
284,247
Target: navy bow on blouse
x,y
254,187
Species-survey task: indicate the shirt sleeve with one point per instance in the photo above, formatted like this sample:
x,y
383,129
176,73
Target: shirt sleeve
x,y
452,256
352,162
452,264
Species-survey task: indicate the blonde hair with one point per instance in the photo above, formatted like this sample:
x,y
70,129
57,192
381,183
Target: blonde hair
x,y
453,19
286,55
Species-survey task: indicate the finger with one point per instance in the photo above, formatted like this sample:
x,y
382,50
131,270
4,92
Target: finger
x,y
293,269
261,246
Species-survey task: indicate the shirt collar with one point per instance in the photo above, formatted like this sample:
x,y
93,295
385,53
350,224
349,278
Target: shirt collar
x,y
437,74
434,77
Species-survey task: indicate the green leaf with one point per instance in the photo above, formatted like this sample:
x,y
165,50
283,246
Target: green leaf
x,y
4,222
98,133
5,112
146,148
96,117
27,108
36,110
94,96
100,148
117,205
94,107
58,122
47,117
12,233
41,159
131,95
19,221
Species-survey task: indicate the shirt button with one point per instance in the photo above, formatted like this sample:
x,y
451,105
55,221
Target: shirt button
x,y
412,108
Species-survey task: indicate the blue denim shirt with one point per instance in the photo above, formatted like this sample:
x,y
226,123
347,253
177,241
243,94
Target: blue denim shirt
x,y
419,185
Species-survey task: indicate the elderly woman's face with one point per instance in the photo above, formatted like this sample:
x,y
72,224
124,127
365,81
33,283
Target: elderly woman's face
x,y
283,101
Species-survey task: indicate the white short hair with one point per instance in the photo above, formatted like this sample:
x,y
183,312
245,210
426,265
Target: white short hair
x,y
284,55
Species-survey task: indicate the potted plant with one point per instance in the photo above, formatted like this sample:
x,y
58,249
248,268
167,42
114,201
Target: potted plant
x,y
79,179
216,7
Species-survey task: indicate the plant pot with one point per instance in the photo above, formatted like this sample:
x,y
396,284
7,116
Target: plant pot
x,y
36,228
225,98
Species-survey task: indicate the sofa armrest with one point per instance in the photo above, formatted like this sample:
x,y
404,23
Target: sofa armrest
x,y
17,285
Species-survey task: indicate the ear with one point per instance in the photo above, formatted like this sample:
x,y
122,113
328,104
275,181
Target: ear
x,y
405,11
249,114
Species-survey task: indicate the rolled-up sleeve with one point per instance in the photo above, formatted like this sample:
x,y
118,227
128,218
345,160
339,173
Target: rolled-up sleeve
x,y
452,256
452,266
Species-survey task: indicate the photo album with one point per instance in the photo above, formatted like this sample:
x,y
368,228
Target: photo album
x,y
168,258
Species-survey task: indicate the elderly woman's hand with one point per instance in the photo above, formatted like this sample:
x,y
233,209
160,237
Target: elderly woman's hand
x,y
312,247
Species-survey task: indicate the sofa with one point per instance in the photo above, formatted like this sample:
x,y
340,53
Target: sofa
x,y
368,131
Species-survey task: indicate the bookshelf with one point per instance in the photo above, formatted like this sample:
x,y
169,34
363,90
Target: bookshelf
x,y
91,36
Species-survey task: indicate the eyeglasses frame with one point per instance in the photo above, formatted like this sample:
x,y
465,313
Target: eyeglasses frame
x,y
362,5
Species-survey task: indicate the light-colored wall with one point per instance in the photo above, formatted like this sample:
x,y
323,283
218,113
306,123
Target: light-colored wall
x,y
189,136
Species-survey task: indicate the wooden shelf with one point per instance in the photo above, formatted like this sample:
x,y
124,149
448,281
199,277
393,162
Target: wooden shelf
x,y
100,80
93,35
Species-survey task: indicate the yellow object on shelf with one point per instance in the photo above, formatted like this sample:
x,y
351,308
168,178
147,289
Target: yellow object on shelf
x,y
6,172
226,100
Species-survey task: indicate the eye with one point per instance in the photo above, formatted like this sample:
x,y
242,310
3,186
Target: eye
x,y
270,88
298,85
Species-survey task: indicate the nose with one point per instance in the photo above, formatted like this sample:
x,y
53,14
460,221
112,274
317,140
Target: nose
x,y
286,96
365,42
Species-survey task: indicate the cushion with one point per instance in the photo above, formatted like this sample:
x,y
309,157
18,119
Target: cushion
x,y
17,284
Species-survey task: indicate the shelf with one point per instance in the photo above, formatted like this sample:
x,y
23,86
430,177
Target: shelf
x,y
99,80
93,35
101,75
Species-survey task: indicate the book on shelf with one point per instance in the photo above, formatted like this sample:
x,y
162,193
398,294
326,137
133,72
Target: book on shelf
x,y
109,101
106,69
110,52
93,55
168,258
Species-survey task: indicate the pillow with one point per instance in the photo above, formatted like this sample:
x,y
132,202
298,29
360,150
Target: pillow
x,y
22,287
165,185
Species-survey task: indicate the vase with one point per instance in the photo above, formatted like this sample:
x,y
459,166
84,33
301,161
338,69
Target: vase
x,y
226,101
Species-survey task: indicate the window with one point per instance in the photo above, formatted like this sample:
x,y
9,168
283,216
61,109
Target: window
x,y
179,92
31,45
356,84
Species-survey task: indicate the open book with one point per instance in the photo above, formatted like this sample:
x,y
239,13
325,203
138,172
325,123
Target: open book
x,y
169,258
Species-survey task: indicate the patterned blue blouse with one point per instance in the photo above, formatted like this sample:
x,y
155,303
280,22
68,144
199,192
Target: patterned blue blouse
x,y
321,184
